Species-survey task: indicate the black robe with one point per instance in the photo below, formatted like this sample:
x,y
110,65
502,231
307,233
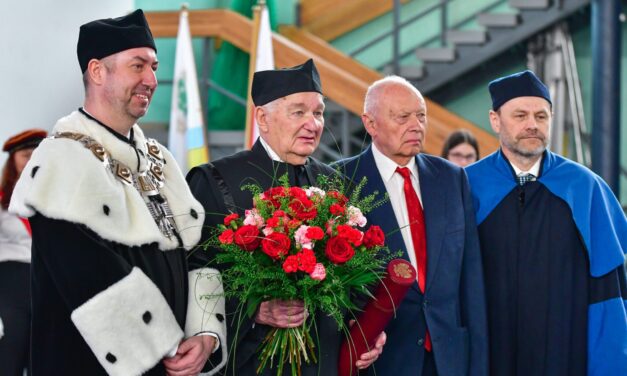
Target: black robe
x,y
64,256
217,187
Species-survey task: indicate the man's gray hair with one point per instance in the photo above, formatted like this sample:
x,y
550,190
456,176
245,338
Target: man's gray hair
x,y
378,87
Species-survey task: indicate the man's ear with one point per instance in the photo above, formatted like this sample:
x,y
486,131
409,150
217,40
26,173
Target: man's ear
x,y
495,121
369,124
96,71
261,116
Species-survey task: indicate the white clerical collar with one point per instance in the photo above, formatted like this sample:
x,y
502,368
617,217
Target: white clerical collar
x,y
534,170
387,167
274,156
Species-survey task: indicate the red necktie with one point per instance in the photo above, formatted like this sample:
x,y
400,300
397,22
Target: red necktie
x,y
418,236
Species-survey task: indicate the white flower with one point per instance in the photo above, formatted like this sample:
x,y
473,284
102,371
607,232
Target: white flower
x,y
315,190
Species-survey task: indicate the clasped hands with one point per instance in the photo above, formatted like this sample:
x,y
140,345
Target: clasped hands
x,y
191,356
292,314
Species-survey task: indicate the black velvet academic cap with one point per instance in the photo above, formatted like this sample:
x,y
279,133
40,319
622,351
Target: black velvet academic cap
x,y
101,38
274,84
521,84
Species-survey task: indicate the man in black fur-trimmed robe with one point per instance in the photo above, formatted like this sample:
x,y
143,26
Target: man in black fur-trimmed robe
x,y
289,113
112,220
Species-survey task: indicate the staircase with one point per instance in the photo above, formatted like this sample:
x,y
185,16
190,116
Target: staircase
x,y
344,80
467,49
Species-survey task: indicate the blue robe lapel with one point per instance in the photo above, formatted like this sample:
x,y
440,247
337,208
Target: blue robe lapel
x,y
433,202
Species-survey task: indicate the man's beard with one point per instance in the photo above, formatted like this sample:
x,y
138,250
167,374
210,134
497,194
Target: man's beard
x,y
526,152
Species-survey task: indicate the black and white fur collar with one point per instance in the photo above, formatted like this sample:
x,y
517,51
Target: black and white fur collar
x,y
64,180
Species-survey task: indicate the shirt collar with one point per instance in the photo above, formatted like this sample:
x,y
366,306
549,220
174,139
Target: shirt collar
x,y
274,156
534,170
387,167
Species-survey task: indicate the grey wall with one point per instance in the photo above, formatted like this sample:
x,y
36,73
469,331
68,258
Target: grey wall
x,y
40,80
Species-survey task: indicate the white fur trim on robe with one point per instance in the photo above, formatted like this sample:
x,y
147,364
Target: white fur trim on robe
x,y
129,326
64,180
205,309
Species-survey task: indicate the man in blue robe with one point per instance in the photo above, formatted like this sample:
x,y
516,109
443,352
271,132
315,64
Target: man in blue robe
x,y
553,238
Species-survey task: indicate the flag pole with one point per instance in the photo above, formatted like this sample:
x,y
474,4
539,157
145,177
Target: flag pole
x,y
251,71
205,136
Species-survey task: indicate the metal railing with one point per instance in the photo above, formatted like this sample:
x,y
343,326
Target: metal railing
x,y
441,7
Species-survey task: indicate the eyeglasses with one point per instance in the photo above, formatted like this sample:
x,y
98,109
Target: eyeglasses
x,y
459,156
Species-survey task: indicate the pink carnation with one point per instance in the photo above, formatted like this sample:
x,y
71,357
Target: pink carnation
x,y
253,218
300,236
355,217
319,273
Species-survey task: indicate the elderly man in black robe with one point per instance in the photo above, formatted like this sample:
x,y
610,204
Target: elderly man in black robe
x,y
289,112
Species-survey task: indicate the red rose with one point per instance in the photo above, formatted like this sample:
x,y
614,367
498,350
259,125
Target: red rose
x,y
337,209
352,235
307,260
339,250
298,192
341,199
314,233
275,245
274,195
247,237
272,222
229,218
278,214
303,209
374,237
290,265
226,237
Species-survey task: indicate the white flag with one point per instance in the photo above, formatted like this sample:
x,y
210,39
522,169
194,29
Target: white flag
x,y
264,60
186,139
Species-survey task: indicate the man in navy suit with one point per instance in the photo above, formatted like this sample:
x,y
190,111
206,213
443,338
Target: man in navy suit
x,y
440,327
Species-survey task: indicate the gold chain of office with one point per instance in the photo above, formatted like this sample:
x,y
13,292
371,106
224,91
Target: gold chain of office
x,y
148,183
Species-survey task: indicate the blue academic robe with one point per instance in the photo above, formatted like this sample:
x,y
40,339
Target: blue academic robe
x,y
553,256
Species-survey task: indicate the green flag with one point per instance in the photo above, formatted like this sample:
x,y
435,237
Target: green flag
x,y
230,71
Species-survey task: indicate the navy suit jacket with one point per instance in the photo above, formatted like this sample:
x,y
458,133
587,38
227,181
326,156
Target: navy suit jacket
x,y
453,306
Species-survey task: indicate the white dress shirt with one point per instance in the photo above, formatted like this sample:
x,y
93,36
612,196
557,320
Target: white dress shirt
x,y
274,156
394,183
534,170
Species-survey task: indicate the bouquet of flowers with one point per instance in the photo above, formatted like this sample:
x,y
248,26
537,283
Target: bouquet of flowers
x,y
302,244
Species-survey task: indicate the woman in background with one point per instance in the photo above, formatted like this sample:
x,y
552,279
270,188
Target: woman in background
x,y
461,148
15,242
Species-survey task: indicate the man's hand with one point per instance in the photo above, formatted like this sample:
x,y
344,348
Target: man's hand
x,y
281,313
190,357
367,358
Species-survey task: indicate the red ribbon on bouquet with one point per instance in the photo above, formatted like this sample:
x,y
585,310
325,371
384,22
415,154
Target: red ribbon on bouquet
x,y
376,315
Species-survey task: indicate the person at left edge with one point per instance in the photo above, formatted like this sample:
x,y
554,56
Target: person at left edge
x,y
112,218
289,111
15,242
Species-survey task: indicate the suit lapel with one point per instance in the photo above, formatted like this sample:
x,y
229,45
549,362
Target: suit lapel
x,y
433,202
382,216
